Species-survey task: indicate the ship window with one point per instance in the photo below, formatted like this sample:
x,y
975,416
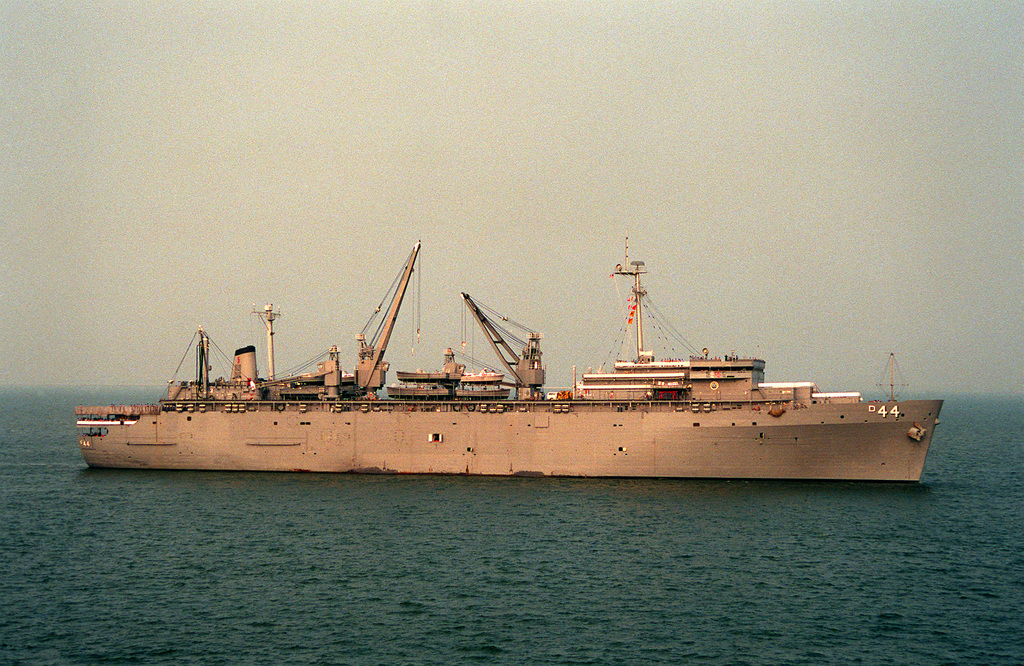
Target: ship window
x,y
696,425
435,437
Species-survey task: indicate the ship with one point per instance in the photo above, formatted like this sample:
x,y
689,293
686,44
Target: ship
x,y
705,416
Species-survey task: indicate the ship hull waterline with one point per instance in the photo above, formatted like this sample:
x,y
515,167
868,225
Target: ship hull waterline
x,y
853,442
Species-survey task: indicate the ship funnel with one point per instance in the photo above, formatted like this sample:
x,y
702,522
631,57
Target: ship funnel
x,y
244,367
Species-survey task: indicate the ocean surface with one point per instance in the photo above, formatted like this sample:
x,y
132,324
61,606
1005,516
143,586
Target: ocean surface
x,y
124,567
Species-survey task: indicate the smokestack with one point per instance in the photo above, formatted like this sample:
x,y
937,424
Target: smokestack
x,y
244,367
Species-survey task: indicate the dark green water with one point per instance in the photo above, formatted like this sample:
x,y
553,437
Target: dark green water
x,y
103,566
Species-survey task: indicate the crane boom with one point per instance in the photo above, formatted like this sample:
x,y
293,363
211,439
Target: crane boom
x,y
525,368
371,370
501,348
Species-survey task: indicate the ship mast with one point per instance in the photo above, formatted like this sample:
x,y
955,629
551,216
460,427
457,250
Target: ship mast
x,y
268,316
889,379
635,269
203,364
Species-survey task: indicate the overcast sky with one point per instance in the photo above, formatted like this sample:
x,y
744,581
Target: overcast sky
x,y
811,183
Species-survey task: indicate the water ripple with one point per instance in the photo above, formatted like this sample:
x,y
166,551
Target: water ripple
x,y
160,567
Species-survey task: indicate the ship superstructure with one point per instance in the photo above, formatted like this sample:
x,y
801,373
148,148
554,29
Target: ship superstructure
x,y
704,416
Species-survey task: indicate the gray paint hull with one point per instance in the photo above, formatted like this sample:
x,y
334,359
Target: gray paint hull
x,y
647,439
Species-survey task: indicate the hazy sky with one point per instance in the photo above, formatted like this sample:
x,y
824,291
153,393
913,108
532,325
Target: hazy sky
x,y
816,184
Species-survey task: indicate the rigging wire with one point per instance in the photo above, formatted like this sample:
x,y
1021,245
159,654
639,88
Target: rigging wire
x,y
224,358
501,317
615,352
891,378
496,317
668,339
296,370
666,325
419,305
614,335
468,327
388,297
188,348
469,360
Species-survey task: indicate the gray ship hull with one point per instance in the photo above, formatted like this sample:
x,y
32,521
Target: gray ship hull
x,y
847,441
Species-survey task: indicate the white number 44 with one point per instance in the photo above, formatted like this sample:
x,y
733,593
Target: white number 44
x,y
894,412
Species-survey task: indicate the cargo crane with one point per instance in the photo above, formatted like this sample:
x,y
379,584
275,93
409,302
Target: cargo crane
x,y
371,368
525,368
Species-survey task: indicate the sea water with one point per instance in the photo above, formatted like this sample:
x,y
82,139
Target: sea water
x,y
109,566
